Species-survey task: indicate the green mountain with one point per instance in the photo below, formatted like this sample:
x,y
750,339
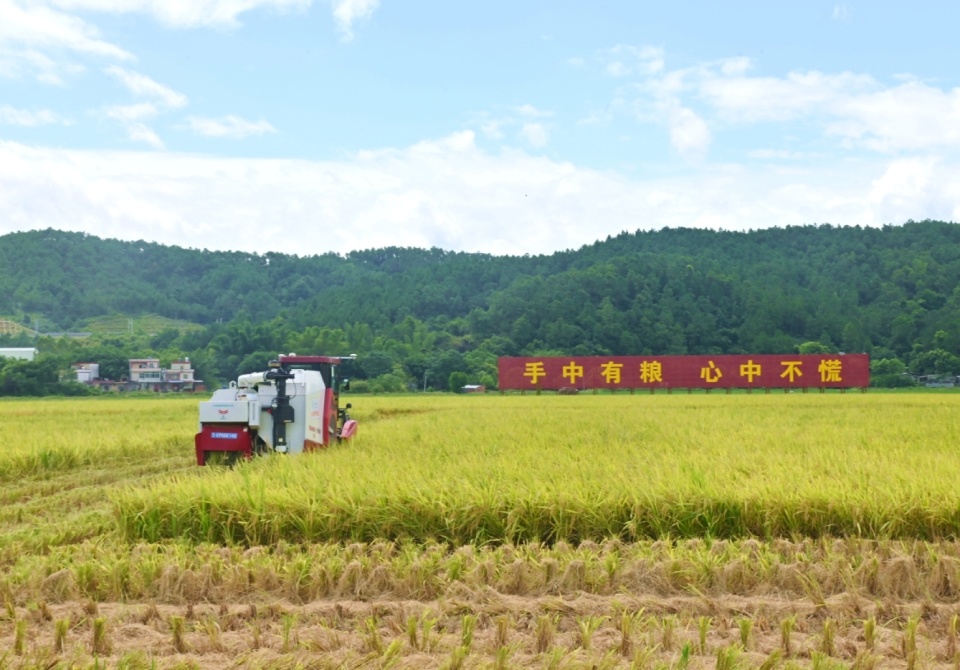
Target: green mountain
x,y
889,291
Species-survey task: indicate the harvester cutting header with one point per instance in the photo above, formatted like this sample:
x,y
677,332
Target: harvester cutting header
x,y
290,408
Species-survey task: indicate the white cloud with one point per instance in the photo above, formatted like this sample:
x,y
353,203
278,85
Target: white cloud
x,y
129,113
859,110
624,60
856,109
535,134
689,134
39,40
139,132
11,116
229,126
16,63
348,12
143,86
492,128
903,182
183,13
777,154
750,99
841,12
448,193
36,25
521,119
530,111
132,116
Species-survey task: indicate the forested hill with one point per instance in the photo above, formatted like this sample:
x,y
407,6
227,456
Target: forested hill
x,y
889,291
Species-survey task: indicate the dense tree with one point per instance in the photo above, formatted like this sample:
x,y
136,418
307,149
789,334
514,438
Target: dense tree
x,y
423,314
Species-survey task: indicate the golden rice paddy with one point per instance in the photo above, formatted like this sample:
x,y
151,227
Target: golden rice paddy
x,y
668,531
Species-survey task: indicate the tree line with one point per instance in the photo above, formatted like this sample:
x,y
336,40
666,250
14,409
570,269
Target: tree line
x,y
415,317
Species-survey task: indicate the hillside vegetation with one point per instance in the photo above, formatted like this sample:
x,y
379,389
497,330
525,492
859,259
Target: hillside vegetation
x,y
427,313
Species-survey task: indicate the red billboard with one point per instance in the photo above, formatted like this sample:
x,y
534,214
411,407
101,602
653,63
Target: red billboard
x,y
685,372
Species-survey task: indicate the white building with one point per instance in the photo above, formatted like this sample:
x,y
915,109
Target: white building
x,y
180,371
145,370
87,372
22,353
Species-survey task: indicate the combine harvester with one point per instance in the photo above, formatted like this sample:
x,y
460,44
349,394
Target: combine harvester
x,y
291,408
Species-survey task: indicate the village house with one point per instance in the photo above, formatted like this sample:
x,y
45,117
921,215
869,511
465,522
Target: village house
x,y
145,370
21,353
87,372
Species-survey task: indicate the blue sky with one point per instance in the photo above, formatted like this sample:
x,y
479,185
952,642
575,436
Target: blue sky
x,y
311,126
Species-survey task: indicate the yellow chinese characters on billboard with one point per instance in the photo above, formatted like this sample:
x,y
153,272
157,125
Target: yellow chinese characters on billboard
x,y
700,372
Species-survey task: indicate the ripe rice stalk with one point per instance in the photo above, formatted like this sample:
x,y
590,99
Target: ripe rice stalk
x,y
412,629
772,662
642,659
391,655
214,633
952,626
177,626
626,626
586,626
827,638
457,657
612,566
502,629
870,633
668,628
428,623
545,633
60,629
467,626
909,642
865,661
729,658
745,626
100,645
703,629
786,634
502,658
531,500
20,638
371,636
288,633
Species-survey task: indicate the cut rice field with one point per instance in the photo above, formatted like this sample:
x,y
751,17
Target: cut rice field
x,y
702,531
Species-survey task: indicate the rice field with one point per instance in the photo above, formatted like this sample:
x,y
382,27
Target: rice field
x,y
703,531
545,469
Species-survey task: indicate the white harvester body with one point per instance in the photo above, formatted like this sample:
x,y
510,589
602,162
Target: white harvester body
x,y
287,409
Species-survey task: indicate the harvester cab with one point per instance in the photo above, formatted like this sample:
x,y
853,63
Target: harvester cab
x,y
292,407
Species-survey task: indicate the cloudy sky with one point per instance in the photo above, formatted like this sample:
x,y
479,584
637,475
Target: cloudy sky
x,y
308,126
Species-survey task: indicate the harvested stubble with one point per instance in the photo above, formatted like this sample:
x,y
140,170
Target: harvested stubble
x,y
517,469
534,632
814,570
